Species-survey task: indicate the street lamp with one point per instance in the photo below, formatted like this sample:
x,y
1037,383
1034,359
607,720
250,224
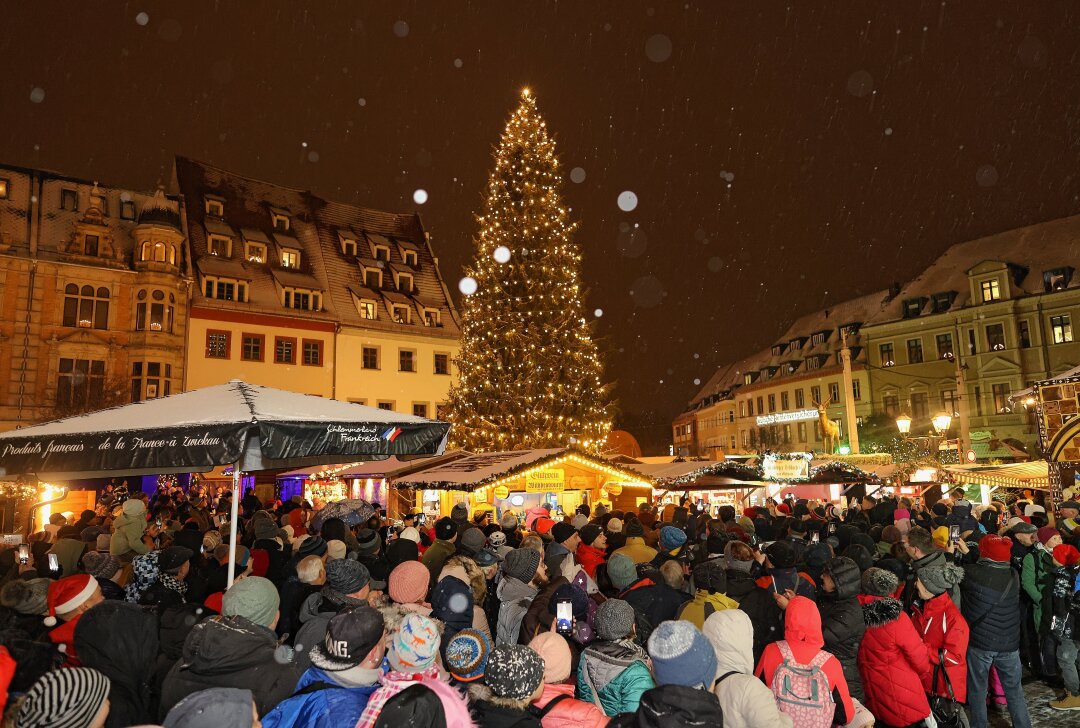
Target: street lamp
x,y
903,423
942,422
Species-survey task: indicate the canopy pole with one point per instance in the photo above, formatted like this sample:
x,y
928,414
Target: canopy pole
x,y
234,517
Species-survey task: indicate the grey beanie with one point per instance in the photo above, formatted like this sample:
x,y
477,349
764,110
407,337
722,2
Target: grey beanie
x,y
473,540
940,577
225,707
253,598
878,582
346,576
521,564
614,620
99,565
508,522
26,597
621,571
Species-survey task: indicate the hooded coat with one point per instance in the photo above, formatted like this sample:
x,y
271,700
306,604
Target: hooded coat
x,y
230,652
590,557
618,672
569,713
705,603
842,622
764,613
942,627
746,702
657,601
893,662
126,542
802,632
515,598
120,641
673,705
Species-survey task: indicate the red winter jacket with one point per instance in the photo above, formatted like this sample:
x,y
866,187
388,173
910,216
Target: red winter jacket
x,y
64,637
590,557
892,662
569,713
942,626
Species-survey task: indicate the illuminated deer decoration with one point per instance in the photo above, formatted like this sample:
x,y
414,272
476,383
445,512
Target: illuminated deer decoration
x,y
830,431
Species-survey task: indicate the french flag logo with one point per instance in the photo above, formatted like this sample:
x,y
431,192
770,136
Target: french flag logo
x,y
391,434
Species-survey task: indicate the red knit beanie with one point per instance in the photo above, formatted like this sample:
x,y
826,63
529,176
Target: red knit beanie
x,y
1066,554
995,548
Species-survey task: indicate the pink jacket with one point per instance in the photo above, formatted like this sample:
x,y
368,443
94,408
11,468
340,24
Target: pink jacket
x,y
570,713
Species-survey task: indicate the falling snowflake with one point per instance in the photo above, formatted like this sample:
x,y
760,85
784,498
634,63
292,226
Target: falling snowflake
x,y
458,63
142,19
467,285
658,48
598,312
501,254
420,197
401,29
37,95
577,175
627,201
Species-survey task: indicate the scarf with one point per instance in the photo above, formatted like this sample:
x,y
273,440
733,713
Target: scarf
x,y
145,574
171,582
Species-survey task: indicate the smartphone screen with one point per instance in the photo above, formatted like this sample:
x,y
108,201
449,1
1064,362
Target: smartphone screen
x,y
54,565
24,553
564,617
954,533
832,528
815,537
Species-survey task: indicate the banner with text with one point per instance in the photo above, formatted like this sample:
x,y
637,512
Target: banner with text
x,y
546,481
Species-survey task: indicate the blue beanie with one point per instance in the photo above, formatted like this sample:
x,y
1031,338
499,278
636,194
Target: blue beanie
x,y
681,655
672,538
622,571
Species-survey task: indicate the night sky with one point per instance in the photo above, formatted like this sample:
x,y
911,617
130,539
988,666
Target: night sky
x,y
784,156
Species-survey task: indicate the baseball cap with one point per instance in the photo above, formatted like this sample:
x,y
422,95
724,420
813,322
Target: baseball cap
x,y
485,558
350,636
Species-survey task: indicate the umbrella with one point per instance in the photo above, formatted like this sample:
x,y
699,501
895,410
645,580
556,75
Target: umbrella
x,y
352,511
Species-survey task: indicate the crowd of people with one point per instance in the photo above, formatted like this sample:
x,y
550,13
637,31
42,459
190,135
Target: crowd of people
x,y
797,613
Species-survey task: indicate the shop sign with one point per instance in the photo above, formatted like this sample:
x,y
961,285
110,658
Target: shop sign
x,y
796,416
777,469
613,488
546,481
502,492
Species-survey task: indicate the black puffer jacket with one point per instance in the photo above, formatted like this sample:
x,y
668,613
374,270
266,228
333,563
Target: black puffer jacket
x,y
672,705
764,613
842,622
983,584
231,652
120,640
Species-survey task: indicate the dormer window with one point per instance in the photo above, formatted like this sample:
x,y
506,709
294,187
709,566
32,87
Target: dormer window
x,y
818,338
367,308
220,246
777,350
943,301
255,253
1057,279
215,207
813,362
290,258
431,317
405,282
913,307
348,246
748,378
302,299
157,252
400,314
381,252
127,209
225,289
372,278
410,258
991,290
281,222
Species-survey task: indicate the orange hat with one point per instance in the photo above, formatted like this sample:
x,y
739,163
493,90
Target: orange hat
x,y
543,525
941,537
68,594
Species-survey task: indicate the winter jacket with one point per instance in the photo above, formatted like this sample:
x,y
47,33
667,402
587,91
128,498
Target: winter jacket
x,y
568,712
293,595
127,535
68,552
704,603
110,589
492,715
802,632
842,622
765,614
746,702
657,602
673,705
1036,577
516,598
1064,603
120,640
942,627
537,618
435,559
325,708
636,549
315,614
618,673
779,580
910,593
893,662
589,557
994,623
230,652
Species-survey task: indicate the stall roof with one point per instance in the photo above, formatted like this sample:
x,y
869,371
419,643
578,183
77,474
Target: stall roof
x,y
389,468
1030,391
1034,474
477,471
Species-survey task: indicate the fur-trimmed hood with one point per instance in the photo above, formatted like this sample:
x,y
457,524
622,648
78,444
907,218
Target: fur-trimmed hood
x,y
879,611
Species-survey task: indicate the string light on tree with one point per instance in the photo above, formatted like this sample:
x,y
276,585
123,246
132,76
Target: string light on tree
x,y
530,373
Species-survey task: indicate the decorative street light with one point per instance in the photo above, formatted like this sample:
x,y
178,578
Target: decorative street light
x,y
903,423
942,422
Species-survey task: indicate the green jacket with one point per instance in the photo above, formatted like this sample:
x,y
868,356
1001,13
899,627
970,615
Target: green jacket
x,y
619,673
1036,578
127,535
435,558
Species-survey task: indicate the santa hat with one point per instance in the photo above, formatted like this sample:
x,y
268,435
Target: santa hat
x,y
68,594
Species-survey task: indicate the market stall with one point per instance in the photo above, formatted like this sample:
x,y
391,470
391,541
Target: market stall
x,y
708,483
522,479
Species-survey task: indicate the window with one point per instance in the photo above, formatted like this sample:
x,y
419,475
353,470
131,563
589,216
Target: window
x,y
1061,329
920,406
5,188
147,381
80,382
406,360
949,402
91,245
913,307
127,209
401,314
1023,331
303,300
405,282
784,401
281,222
225,289
410,258
834,391
742,408
369,357
891,404
991,290
772,403
978,400
86,307
313,350
217,344
69,200
157,252
251,347
256,253
284,350
153,312
372,277
750,408
381,252
419,409
761,405
220,245
778,350
801,431
914,351
1001,399
383,405
943,301
800,399
815,393
813,362
348,246
944,346
442,363
748,378
818,338
215,207
431,317
856,390
885,351
995,337
290,258
1057,279
787,433
973,346
367,309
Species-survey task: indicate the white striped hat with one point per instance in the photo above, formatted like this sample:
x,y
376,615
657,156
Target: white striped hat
x,y
67,698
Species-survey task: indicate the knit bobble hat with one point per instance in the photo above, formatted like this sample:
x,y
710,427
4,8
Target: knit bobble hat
x,y
939,577
681,655
672,538
67,698
28,597
497,539
508,521
68,594
781,554
415,645
312,546
555,653
254,598
562,531
514,672
615,525
408,583
634,529
521,564
621,571
467,655
100,565
995,548
1066,554
614,620
579,600
211,540
336,550
879,582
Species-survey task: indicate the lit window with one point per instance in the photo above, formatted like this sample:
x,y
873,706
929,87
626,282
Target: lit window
x,y
885,353
290,258
368,309
944,346
150,380
995,337
220,246
834,391
225,289
302,300
431,317
1061,329
401,314
217,344
86,307
856,390
991,290
153,313
215,207
256,253
5,186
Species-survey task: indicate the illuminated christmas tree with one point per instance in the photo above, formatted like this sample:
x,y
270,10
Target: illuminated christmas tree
x,y
530,374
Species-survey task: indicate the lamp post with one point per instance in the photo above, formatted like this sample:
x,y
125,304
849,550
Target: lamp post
x,y
903,423
941,422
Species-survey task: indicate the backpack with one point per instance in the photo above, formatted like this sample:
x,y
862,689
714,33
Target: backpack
x,y
802,691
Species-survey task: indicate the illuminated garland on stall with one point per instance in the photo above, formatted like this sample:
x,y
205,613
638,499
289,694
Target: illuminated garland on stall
x,y
17,490
530,375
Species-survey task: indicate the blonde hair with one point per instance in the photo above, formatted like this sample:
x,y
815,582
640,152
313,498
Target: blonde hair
x,y
673,575
309,568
